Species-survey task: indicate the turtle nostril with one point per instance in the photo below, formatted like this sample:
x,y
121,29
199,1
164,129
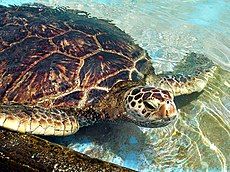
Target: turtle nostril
x,y
168,101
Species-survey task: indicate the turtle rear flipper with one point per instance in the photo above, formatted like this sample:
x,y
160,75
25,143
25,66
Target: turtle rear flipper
x,y
190,75
36,120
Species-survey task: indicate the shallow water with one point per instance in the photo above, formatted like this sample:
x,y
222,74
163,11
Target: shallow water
x,y
200,139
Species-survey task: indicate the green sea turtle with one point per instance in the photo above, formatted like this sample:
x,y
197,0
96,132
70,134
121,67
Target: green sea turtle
x,y
61,69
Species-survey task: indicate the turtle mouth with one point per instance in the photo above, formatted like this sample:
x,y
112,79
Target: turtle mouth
x,y
158,123
154,123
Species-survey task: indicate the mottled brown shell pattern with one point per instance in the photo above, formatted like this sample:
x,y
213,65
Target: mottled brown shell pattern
x,y
61,58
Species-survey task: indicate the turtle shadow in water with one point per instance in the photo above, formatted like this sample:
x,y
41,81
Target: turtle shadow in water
x,y
184,100
122,139
119,138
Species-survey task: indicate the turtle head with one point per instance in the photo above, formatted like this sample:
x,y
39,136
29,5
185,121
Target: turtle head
x,y
150,107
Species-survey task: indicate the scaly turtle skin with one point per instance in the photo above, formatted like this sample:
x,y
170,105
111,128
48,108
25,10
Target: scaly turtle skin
x,y
61,69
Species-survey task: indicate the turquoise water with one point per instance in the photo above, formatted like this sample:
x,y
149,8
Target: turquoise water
x,y
199,140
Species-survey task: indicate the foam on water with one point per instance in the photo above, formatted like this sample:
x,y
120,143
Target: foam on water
x,y
200,138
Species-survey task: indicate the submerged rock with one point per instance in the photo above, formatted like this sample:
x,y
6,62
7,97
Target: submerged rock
x,y
21,152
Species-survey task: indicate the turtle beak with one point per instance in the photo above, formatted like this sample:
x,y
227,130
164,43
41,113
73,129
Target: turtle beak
x,y
166,114
168,110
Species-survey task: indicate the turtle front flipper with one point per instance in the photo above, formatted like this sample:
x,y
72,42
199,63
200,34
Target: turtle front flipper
x,y
190,75
36,120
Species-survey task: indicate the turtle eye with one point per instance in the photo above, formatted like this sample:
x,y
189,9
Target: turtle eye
x,y
150,105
